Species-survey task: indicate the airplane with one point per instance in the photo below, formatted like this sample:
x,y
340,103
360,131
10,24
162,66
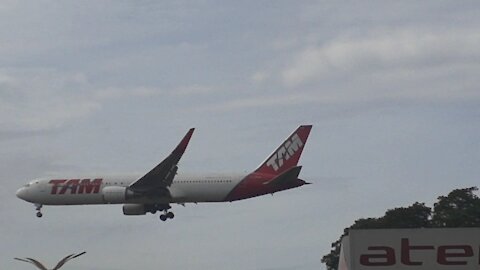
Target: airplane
x,y
163,185
40,266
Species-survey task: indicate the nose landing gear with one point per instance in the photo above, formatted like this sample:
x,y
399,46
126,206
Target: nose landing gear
x,y
38,207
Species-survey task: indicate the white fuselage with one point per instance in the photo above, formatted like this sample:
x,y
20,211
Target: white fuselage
x,y
73,191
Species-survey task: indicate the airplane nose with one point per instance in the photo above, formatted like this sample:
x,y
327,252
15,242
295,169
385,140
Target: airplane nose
x,y
22,193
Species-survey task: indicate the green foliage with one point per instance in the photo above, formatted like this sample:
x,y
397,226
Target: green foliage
x,y
331,259
414,216
460,208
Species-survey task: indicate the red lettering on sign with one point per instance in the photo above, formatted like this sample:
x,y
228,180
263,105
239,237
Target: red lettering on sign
x,y
444,256
406,252
463,251
388,258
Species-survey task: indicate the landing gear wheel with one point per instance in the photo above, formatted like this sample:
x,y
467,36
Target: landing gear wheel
x,y
38,207
163,217
170,215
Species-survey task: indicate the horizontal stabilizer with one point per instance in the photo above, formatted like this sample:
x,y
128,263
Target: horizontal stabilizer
x,y
289,175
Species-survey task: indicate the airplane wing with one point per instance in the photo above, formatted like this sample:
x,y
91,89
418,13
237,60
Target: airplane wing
x,y
161,177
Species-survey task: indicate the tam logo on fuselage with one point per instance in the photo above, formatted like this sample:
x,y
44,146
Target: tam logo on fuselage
x,y
76,186
285,152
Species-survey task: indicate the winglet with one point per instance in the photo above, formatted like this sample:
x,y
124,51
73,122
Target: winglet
x,y
287,154
183,144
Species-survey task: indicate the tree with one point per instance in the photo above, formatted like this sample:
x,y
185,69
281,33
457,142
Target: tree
x,y
415,216
460,208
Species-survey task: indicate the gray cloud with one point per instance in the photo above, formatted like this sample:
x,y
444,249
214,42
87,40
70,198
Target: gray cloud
x,y
382,63
42,99
405,48
36,101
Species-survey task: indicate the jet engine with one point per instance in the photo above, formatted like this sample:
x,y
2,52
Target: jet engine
x,y
134,209
116,194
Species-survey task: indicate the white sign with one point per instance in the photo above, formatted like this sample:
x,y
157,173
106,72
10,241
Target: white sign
x,y
419,249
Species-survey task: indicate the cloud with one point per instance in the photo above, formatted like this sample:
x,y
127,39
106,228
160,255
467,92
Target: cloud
x,y
413,49
38,100
259,77
402,65
119,93
194,90
273,100
42,99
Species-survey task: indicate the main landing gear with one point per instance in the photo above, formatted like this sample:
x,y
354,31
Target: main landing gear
x,y
153,208
166,215
38,207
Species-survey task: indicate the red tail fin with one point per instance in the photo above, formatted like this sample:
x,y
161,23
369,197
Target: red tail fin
x,y
287,154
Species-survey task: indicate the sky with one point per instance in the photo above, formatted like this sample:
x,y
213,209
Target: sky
x,y
390,87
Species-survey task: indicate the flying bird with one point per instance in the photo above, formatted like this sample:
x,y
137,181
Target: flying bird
x,y
59,264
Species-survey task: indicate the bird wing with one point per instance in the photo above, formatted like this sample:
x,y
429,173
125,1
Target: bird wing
x,y
62,261
79,254
66,259
23,260
33,261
